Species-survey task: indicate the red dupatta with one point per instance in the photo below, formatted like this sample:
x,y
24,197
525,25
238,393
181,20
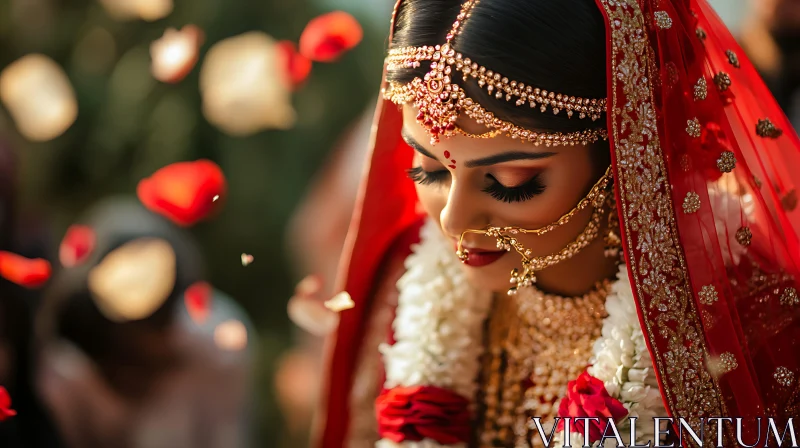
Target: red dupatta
x,y
706,164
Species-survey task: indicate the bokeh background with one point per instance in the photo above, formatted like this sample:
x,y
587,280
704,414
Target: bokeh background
x,y
129,125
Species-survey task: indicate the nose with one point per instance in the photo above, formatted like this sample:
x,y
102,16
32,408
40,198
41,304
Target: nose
x,y
462,211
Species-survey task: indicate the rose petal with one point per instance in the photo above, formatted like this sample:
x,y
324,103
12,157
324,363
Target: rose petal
x,y
175,54
77,245
5,405
183,191
26,272
328,36
197,299
297,66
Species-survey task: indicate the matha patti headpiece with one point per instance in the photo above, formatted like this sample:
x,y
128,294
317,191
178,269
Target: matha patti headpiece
x,y
440,101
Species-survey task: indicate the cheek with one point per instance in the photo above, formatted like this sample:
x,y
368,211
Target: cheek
x,y
432,199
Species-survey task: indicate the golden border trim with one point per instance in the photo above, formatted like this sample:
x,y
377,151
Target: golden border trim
x,y
656,257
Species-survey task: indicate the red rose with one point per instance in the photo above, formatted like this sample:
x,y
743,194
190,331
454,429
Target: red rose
x,y
5,405
587,397
420,412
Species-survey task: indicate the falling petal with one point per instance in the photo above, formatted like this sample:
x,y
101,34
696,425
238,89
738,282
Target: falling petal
x,y
77,245
246,259
312,317
134,280
197,299
175,54
149,10
39,97
231,335
245,87
297,66
330,35
5,405
183,191
216,196
340,302
26,272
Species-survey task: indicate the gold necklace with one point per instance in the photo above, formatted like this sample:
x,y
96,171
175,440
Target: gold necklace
x,y
525,369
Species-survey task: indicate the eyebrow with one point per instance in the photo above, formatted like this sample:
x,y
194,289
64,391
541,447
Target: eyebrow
x,y
485,161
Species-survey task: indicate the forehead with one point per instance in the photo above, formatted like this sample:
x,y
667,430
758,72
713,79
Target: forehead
x,y
462,145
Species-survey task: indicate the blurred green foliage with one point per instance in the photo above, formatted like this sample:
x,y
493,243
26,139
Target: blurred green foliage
x,y
129,125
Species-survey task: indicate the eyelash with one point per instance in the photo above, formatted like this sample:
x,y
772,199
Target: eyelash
x,y
521,193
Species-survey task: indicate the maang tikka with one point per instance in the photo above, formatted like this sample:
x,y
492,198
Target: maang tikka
x,y
507,237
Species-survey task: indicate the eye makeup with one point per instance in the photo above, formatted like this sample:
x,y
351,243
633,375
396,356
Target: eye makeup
x,y
520,193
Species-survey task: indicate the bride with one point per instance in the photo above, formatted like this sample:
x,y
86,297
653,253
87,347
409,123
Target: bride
x,y
573,209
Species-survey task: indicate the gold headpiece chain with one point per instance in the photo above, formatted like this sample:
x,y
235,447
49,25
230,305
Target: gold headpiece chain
x,y
440,101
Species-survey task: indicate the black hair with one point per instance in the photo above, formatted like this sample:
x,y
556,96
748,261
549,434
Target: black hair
x,y
556,45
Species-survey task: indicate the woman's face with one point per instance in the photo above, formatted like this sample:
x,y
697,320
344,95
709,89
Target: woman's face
x,y
467,183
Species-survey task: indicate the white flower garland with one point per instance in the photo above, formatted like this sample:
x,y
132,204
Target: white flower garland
x,y
438,327
622,362
438,331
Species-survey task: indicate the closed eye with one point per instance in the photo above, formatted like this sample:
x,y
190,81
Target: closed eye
x,y
520,193
423,177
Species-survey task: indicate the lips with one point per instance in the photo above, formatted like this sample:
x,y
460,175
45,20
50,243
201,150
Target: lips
x,y
477,257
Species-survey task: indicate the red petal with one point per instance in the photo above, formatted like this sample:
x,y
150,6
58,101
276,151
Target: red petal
x,y
328,36
24,271
297,66
5,405
198,301
184,192
77,245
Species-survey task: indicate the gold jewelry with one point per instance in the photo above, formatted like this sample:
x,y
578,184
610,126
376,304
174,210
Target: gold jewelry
x,y
440,101
507,236
525,371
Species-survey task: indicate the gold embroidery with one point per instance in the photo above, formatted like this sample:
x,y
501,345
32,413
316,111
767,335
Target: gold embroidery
x,y
789,200
691,203
744,236
701,33
726,162
708,319
784,376
722,81
766,129
728,362
672,73
789,297
708,295
701,89
733,59
686,163
660,278
693,128
663,20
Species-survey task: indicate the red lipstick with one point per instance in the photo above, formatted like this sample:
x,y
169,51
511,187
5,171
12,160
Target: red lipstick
x,y
478,258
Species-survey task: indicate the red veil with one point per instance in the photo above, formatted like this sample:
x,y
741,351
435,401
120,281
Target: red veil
x,y
706,165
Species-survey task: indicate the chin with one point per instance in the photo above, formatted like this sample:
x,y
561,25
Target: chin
x,y
494,277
